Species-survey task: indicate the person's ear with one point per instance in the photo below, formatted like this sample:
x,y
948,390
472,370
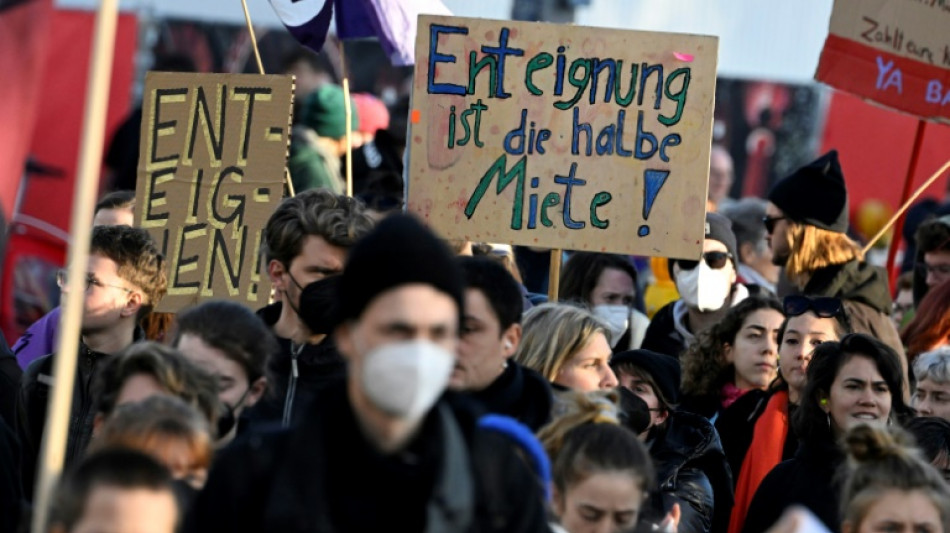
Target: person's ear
x,y
256,391
133,304
823,403
97,423
662,416
344,340
557,501
510,340
275,271
746,252
727,352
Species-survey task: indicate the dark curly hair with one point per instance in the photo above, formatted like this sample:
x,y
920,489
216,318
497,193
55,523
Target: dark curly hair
x,y
705,369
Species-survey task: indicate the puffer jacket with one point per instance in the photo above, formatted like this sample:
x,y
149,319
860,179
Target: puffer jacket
x,y
691,471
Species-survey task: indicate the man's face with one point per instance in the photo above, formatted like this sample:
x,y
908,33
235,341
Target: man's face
x,y
119,216
758,256
483,347
108,300
317,259
720,174
778,241
938,267
409,312
111,509
644,390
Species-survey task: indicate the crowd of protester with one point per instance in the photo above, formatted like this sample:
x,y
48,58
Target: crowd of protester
x,y
397,381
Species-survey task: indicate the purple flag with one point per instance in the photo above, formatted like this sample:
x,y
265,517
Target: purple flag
x,y
393,22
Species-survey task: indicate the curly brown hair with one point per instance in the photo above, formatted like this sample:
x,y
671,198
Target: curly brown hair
x,y
137,258
705,369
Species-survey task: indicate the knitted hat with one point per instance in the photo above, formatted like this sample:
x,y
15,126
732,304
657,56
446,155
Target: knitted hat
x,y
664,370
815,194
324,111
372,112
399,251
718,228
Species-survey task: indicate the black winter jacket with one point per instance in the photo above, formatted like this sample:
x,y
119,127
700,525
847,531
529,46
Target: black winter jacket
x,y
315,365
10,375
809,479
324,476
692,471
34,396
520,393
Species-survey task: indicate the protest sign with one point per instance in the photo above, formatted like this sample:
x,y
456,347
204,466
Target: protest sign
x,y
562,136
211,171
894,52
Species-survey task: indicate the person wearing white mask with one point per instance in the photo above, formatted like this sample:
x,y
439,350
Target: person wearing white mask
x,y
607,285
708,288
382,446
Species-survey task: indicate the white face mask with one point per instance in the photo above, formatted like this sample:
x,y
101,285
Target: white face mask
x,y
617,318
704,288
405,379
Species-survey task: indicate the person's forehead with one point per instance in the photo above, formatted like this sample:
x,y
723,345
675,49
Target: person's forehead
x,y
712,245
941,257
414,303
101,265
773,210
478,305
314,249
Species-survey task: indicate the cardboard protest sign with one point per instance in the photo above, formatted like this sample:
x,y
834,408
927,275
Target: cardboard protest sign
x,y
894,52
562,136
211,171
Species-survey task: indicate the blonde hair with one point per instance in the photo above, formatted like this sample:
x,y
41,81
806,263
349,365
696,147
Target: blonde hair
x,y
586,438
553,333
159,426
882,460
813,248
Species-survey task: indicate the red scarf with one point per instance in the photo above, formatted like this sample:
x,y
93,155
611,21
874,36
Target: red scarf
x,y
768,444
729,394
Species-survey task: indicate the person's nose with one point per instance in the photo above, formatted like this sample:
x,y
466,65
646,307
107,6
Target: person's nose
x,y
924,408
771,346
609,380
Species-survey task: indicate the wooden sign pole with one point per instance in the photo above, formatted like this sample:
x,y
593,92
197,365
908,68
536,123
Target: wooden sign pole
x,y
53,450
554,275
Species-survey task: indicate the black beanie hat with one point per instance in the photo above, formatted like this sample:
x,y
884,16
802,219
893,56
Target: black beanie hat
x,y
399,251
718,228
664,370
815,194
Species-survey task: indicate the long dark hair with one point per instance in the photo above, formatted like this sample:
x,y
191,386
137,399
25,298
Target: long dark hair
x,y
810,422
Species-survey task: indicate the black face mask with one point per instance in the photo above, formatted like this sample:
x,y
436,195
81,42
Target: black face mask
x,y
227,419
318,304
634,412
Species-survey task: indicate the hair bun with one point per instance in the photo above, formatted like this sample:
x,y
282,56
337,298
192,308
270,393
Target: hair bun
x,y
866,443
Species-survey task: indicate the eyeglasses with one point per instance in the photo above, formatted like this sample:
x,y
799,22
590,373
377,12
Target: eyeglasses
x,y
62,280
715,260
770,222
824,307
935,270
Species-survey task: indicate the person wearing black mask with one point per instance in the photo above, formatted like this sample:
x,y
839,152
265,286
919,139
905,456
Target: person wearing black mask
x,y
690,464
305,240
491,333
230,342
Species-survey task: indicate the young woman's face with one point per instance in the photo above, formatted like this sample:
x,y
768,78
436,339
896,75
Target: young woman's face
x,y
589,369
605,502
899,511
755,350
859,395
802,334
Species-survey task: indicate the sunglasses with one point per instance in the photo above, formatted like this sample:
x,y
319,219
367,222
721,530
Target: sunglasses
x,y
824,307
770,223
715,260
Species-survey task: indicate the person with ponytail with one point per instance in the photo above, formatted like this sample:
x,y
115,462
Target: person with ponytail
x,y
889,486
601,473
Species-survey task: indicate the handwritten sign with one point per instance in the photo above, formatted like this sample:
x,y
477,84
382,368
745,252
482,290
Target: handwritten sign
x,y
211,170
562,136
894,52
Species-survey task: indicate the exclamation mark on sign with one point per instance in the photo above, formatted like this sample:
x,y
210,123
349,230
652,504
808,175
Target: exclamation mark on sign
x,y
653,181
